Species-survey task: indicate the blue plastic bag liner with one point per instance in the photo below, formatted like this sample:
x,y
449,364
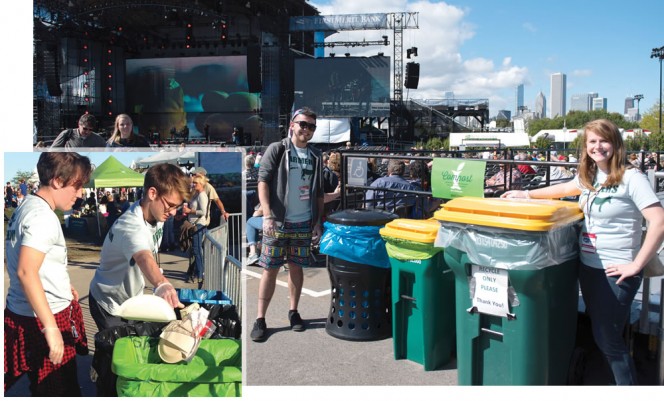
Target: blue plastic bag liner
x,y
511,249
188,295
358,244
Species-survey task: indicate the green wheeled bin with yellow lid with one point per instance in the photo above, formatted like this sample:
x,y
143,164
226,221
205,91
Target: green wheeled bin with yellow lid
x,y
423,320
515,263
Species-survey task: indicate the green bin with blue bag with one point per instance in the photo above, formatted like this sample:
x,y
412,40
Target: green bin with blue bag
x,y
515,263
423,315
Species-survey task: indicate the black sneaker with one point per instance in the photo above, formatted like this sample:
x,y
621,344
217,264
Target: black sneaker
x,y
259,331
296,322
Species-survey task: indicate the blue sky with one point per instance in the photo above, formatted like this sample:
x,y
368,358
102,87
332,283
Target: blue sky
x,y
477,49
485,48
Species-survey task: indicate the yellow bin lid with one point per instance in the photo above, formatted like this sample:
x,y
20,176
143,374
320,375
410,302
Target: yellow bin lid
x,y
519,214
423,231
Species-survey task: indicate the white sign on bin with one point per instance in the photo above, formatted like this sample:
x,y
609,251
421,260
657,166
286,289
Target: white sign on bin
x,y
490,290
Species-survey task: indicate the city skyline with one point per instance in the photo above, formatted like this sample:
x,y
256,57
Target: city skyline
x,y
484,49
479,50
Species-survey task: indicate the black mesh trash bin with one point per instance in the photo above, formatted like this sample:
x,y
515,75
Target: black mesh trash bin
x,y
359,269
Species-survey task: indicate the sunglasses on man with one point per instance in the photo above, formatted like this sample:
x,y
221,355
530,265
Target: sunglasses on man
x,y
305,125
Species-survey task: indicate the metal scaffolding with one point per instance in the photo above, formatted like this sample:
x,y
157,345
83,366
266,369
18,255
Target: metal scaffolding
x,y
362,22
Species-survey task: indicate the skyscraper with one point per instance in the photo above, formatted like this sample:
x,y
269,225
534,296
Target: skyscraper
x,y
599,103
558,95
629,103
580,102
540,105
519,99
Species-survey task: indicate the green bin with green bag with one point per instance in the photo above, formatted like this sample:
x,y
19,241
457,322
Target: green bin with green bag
x,y
423,320
515,263
214,371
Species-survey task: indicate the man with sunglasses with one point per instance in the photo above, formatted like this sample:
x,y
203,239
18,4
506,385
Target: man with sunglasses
x,y
290,189
81,137
130,248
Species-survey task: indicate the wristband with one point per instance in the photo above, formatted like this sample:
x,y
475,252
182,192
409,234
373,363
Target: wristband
x,y
49,328
269,218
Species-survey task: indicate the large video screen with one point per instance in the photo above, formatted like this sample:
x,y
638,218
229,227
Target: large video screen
x,y
344,86
78,88
165,95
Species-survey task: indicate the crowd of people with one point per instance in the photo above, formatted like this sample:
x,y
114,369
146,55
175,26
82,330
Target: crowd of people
x,y
44,328
291,188
14,195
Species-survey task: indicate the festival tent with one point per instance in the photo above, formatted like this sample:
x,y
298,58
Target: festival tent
x,y
563,135
489,139
113,174
167,157
331,130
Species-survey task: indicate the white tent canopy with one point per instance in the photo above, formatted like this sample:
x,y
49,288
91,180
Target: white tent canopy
x,y
331,130
167,157
558,135
489,139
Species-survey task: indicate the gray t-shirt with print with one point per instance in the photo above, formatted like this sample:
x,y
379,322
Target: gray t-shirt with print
x,y
611,231
300,174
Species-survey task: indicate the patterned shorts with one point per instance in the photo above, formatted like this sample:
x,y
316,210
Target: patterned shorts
x,y
291,242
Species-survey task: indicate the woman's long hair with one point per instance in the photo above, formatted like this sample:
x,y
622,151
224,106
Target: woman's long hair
x,y
115,138
202,181
609,131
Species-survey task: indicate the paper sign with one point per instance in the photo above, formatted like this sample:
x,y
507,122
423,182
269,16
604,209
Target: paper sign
x,y
453,178
490,290
357,171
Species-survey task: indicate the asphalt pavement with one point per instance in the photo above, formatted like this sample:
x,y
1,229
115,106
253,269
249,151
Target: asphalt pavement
x,y
314,357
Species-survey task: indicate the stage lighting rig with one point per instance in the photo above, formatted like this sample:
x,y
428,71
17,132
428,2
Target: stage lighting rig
x,y
363,43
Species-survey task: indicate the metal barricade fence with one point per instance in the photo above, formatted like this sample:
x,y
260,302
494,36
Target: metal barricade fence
x,y
222,271
235,227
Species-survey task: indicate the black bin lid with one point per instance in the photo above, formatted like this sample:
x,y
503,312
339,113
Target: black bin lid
x,y
361,217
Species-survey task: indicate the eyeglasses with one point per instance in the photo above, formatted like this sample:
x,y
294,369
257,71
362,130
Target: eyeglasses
x,y
303,124
168,207
87,128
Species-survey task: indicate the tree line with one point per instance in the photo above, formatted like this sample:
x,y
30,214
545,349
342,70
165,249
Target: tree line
x,y
577,119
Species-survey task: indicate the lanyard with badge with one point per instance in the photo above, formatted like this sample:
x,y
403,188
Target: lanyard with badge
x,y
588,238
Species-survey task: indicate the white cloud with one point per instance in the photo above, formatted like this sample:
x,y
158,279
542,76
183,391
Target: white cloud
x,y
528,26
440,39
479,65
582,73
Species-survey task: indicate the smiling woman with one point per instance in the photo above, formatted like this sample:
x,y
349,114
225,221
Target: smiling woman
x,y
615,198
